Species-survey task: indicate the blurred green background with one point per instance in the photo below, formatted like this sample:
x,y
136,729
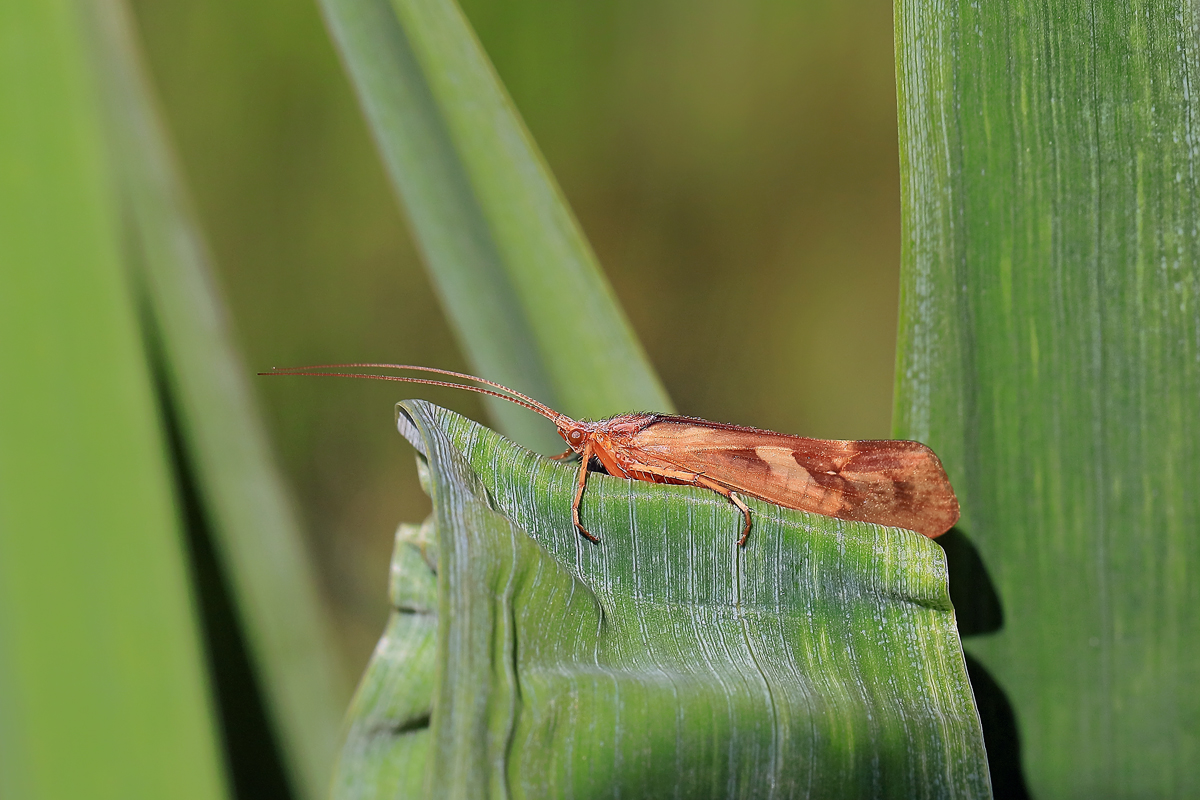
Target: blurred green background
x,y
734,165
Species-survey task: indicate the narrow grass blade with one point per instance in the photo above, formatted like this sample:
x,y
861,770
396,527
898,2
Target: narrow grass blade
x,y
821,660
246,510
102,686
516,277
1050,352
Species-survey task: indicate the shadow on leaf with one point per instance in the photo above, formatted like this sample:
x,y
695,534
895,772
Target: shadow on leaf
x,y
978,611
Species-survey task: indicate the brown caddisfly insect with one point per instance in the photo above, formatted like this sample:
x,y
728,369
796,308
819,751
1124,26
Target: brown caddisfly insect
x,y
886,481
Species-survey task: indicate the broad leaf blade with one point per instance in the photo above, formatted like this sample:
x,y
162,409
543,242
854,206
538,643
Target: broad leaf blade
x,y
516,277
820,661
1050,352
246,510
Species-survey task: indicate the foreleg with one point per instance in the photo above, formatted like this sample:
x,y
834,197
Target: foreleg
x,y
579,484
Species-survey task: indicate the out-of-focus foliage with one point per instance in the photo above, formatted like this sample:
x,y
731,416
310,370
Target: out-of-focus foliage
x,y
733,164
160,633
514,273
1050,352
821,660
103,687
234,497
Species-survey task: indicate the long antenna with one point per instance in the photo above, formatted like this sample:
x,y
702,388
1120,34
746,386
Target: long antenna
x,y
513,396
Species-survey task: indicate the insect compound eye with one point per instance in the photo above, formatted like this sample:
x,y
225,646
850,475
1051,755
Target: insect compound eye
x,y
576,436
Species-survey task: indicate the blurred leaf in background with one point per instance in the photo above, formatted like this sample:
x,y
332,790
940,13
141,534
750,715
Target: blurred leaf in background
x,y
514,273
274,663
151,571
734,166
103,687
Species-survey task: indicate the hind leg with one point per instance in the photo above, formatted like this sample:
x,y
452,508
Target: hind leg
x,y
698,479
733,498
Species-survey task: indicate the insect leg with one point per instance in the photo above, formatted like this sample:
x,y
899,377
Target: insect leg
x,y
564,456
580,483
698,479
676,475
733,498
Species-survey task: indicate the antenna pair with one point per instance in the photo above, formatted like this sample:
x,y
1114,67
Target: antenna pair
x,y
504,393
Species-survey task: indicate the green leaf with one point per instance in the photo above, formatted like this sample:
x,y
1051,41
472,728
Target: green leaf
x,y
516,277
820,660
102,686
1050,353
245,508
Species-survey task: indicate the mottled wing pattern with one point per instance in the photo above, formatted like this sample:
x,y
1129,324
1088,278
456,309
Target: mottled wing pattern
x,y
888,482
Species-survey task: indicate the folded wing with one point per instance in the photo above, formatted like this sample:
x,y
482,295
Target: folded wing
x,y
888,482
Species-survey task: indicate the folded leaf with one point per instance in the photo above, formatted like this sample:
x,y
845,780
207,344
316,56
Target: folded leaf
x,y
820,660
